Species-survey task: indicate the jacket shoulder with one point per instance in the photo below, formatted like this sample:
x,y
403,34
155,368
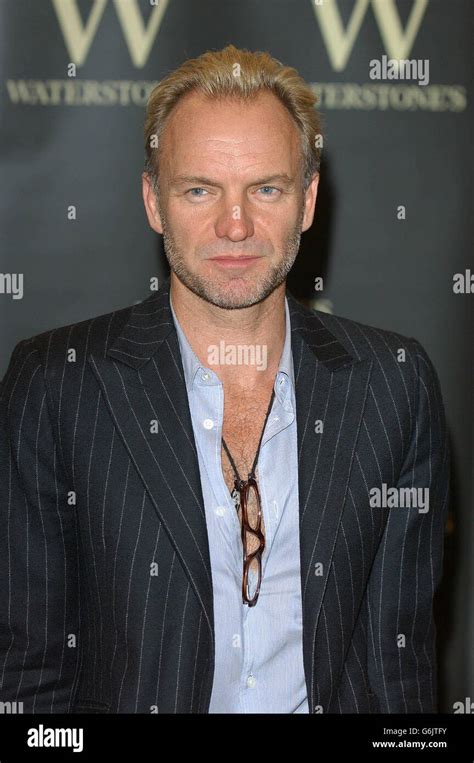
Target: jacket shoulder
x,y
363,340
93,335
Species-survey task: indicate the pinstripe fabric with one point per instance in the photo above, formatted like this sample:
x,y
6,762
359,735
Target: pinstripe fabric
x,y
106,600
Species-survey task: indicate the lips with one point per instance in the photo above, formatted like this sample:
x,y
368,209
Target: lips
x,y
239,257
235,262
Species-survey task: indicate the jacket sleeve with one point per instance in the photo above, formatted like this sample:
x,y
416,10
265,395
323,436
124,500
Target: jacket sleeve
x,y
39,626
407,568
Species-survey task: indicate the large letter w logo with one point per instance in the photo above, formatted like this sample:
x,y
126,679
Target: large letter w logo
x,y
339,41
78,36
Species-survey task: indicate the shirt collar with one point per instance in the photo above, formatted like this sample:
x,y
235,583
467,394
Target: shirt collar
x,y
191,363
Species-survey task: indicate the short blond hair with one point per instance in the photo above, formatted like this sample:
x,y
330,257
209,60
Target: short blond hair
x,y
235,73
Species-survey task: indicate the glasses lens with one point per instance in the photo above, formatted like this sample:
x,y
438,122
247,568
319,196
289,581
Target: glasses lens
x,y
252,502
253,582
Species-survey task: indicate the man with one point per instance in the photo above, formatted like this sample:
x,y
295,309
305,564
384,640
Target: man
x,y
218,500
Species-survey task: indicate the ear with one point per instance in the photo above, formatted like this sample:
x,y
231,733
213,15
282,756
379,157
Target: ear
x,y
310,202
151,206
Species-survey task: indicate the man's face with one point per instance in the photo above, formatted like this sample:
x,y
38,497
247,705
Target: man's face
x,y
230,180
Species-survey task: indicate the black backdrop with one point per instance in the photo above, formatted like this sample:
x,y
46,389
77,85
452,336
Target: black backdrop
x,y
76,74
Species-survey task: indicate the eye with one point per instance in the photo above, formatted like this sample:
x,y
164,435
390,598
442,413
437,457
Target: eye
x,y
269,188
197,195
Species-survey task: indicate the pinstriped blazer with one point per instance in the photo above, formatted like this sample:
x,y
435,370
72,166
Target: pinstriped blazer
x,y
106,590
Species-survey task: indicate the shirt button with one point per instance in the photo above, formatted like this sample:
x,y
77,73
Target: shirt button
x,y
220,511
251,681
205,376
208,423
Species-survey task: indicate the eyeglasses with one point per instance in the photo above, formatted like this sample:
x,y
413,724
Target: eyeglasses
x,y
247,488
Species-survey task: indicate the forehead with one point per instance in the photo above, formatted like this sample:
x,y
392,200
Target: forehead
x,y
230,131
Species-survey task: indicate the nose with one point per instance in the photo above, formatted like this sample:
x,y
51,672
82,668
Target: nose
x,y
234,221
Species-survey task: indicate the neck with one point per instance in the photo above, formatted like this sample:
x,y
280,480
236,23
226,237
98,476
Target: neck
x,y
212,330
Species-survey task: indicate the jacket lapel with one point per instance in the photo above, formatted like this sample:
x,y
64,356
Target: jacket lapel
x,y
331,387
142,380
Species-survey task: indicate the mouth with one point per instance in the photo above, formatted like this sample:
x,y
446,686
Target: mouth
x,y
235,262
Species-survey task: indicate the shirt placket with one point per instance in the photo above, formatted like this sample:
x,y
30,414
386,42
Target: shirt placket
x,y
212,397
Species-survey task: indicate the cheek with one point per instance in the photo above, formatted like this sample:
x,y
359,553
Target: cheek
x,y
191,229
186,220
277,225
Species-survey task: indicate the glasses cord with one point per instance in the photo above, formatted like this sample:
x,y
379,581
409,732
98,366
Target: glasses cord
x,y
238,481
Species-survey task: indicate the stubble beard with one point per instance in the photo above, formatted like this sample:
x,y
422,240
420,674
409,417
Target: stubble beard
x,y
222,295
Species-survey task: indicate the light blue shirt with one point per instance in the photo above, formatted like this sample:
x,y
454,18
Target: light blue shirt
x,y
259,649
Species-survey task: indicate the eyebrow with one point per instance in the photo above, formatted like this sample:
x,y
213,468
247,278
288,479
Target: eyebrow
x,y
281,177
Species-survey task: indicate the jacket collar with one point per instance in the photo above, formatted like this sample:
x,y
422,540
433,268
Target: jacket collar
x,y
150,322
